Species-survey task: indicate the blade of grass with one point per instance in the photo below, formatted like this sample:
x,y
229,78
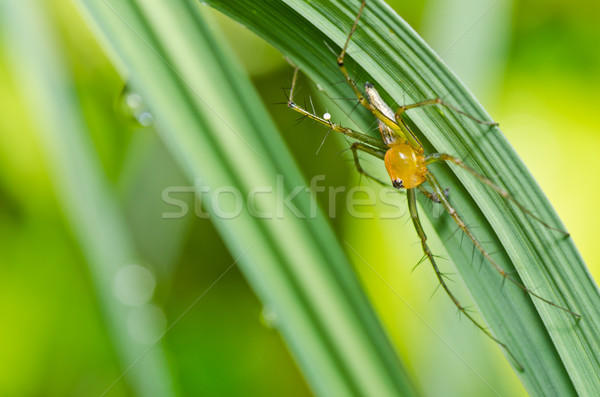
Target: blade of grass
x,y
88,201
560,356
213,123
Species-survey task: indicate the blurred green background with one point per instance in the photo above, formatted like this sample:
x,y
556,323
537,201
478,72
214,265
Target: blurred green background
x,y
534,65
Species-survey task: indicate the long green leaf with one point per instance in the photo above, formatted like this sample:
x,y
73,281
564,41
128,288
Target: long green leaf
x,y
211,120
560,356
89,203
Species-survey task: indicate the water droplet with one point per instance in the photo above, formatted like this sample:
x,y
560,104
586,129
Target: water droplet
x,y
132,107
133,100
146,119
269,316
134,285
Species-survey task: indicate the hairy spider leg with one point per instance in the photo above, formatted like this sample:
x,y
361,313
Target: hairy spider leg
x,y
355,147
399,131
457,219
364,138
414,215
439,101
438,157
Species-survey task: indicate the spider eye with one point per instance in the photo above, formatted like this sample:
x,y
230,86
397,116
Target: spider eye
x,y
398,183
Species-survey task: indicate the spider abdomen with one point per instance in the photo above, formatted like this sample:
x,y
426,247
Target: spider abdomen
x,y
405,167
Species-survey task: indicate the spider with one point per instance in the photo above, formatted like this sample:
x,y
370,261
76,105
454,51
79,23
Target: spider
x,y
407,166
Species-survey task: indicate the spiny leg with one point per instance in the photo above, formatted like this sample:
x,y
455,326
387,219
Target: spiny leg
x,y
364,138
340,61
355,147
439,101
412,207
452,212
432,196
380,113
436,157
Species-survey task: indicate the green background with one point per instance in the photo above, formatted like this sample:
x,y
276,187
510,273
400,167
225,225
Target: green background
x,y
533,65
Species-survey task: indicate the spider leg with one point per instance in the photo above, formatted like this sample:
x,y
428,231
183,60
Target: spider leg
x,y
452,212
355,147
433,196
397,130
364,138
436,157
414,214
439,101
